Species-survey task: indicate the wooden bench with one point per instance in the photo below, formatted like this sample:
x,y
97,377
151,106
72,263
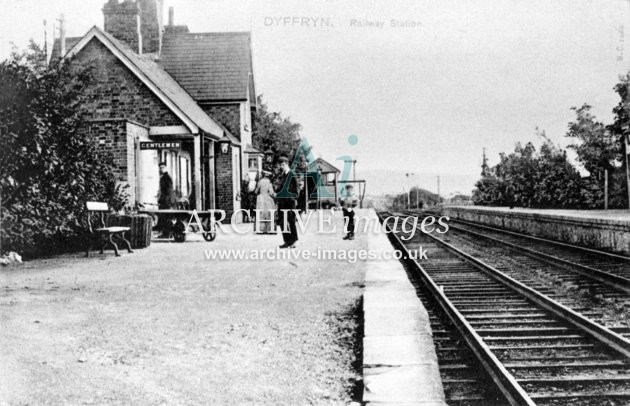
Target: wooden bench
x,y
99,232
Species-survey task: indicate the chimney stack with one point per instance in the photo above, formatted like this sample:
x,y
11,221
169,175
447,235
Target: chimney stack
x,y
151,25
171,28
122,20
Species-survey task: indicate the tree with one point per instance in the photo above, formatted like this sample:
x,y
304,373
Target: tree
x,y
596,147
528,178
621,128
418,198
273,132
48,166
599,149
557,182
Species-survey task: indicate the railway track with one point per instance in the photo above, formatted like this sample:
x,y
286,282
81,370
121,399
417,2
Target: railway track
x,y
605,302
462,381
534,349
607,268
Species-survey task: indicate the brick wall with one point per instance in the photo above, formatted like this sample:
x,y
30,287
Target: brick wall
x,y
223,174
112,137
227,114
118,93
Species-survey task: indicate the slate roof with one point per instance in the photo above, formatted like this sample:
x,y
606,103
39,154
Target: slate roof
x,y
325,166
210,66
164,82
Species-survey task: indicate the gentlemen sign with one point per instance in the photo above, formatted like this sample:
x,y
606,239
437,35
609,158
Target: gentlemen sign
x,y
160,145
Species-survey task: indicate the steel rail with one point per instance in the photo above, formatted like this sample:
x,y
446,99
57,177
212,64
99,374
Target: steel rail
x,y
614,281
505,382
610,339
547,241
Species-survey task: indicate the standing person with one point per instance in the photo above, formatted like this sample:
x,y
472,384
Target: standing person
x,y
510,194
286,199
302,199
348,203
246,203
264,204
166,199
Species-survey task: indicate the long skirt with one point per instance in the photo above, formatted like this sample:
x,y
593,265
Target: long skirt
x,y
264,217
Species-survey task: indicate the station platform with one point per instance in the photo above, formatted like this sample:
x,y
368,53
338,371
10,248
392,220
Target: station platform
x,y
169,325
608,230
399,361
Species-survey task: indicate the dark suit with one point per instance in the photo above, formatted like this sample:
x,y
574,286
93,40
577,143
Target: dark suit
x,y
286,198
165,201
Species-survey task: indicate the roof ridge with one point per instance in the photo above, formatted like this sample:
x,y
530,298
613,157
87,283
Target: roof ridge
x,y
187,107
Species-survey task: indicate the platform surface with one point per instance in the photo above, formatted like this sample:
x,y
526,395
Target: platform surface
x,y
165,325
623,215
400,365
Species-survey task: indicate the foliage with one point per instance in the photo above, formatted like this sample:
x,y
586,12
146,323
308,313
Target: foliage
x,y
597,148
548,179
48,167
276,133
621,128
418,197
528,178
621,123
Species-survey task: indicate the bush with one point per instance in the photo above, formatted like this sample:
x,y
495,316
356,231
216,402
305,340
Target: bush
x,y
49,167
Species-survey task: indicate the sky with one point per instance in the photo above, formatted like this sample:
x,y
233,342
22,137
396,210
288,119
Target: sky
x,y
423,95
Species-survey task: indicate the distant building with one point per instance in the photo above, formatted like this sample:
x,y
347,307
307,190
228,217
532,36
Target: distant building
x,y
162,93
329,185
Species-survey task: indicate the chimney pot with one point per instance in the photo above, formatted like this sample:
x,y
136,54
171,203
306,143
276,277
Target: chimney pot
x,y
171,16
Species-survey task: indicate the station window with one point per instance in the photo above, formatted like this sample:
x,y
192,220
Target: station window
x,y
253,164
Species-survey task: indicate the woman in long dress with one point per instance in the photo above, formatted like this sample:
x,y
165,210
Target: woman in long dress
x,y
264,204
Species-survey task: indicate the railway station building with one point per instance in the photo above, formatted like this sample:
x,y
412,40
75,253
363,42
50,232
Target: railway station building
x,y
162,93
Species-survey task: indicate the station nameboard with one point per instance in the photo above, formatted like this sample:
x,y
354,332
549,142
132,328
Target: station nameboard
x,y
160,145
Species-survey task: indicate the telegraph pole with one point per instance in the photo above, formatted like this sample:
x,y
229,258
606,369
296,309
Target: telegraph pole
x,y
417,197
408,191
62,35
438,185
45,43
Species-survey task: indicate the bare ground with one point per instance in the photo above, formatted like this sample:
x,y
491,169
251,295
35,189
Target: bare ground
x,y
166,326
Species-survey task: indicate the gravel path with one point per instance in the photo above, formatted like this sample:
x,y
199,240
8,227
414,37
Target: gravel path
x,y
166,326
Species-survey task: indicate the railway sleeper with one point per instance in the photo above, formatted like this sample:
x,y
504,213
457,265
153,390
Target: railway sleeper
x,y
544,331
569,373
577,398
603,386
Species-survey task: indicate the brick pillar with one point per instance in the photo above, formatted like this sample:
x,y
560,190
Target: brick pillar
x,y
223,173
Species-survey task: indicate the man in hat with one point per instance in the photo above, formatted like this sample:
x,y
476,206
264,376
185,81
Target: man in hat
x,y
165,199
287,203
348,203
